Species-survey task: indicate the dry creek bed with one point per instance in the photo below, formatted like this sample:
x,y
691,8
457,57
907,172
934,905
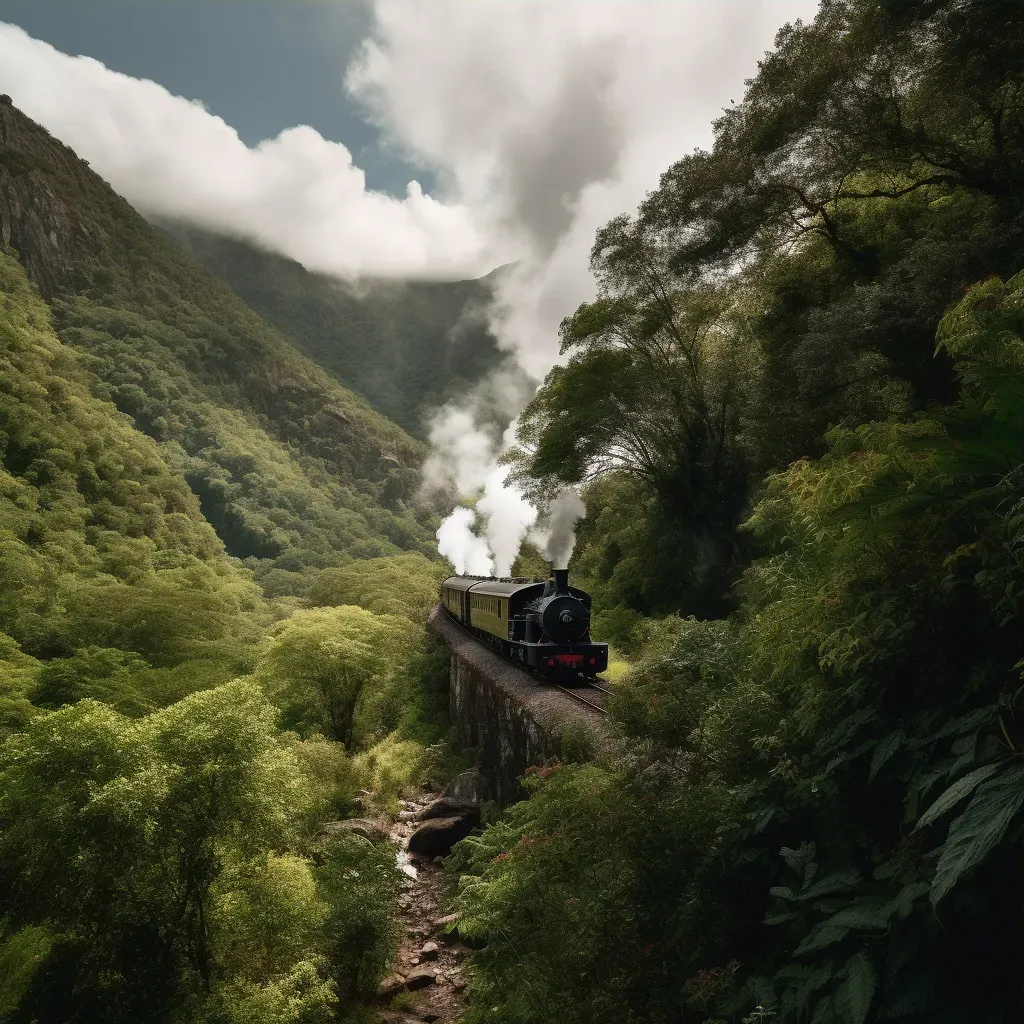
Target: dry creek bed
x,y
430,977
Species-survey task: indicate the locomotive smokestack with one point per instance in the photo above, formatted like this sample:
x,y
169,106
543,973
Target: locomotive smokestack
x,y
561,580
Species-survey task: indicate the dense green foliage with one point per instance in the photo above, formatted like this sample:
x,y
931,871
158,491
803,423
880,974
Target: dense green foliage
x,y
158,850
169,727
814,811
859,713
407,347
792,278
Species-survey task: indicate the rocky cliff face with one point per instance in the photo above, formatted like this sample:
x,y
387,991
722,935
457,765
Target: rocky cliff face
x,y
51,238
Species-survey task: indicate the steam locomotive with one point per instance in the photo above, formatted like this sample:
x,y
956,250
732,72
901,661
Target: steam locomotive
x,y
540,624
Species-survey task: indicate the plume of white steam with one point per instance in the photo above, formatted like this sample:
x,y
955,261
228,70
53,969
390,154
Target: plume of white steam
x,y
464,454
509,518
462,547
563,515
550,119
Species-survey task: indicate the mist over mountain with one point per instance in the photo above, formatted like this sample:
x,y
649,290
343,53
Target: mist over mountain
x,y
407,347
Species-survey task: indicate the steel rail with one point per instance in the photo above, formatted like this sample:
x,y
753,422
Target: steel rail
x,y
576,696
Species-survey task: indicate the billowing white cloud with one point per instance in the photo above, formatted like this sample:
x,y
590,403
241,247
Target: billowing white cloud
x,y
298,194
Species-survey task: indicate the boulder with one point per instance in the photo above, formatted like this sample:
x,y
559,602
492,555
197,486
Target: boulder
x,y
422,977
354,826
390,986
446,807
428,951
436,836
468,788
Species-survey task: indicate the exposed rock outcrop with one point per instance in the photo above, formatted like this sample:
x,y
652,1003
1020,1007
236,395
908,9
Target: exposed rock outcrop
x,y
53,240
468,788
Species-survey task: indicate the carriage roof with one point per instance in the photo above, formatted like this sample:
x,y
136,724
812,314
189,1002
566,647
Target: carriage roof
x,y
491,587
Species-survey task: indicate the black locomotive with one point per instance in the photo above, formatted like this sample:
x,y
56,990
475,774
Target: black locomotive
x,y
541,624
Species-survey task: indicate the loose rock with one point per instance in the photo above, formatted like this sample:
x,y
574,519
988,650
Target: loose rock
x,y
428,951
422,977
446,807
390,986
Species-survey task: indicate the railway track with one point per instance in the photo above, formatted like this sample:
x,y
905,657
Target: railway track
x,y
580,697
591,683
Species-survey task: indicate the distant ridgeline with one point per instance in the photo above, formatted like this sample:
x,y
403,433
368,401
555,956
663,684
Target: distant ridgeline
x,y
291,470
407,347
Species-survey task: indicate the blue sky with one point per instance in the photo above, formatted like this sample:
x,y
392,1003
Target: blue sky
x,y
262,65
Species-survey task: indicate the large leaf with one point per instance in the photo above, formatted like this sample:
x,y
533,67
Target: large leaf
x,y
952,796
885,748
836,881
861,981
903,902
958,726
867,914
978,829
820,937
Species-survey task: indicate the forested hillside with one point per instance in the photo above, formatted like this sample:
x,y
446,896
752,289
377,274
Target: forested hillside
x,y
797,412
176,722
408,347
291,469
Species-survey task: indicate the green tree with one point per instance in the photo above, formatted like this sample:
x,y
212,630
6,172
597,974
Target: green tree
x,y
397,585
115,833
319,664
817,806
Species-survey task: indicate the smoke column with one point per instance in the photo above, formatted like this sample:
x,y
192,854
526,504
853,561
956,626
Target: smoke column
x,y
566,510
549,119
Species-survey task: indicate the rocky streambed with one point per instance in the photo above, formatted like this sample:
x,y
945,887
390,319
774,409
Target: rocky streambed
x,y
429,982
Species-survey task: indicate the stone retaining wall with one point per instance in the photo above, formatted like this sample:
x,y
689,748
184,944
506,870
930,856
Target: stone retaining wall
x,y
514,720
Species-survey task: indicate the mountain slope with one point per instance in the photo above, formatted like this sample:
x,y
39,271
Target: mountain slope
x,y
408,347
291,469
